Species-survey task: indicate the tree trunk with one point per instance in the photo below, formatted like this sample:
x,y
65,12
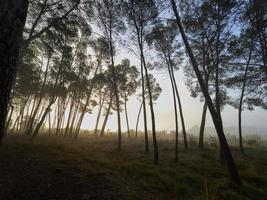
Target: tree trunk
x,y
144,108
241,102
53,100
33,114
217,84
126,115
202,126
39,125
175,112
115,88
13,14
49,123
180,107
15,123
98,116
155,143
74,116
106,118
154,137
138,30
137,121
79,123
20,113
215,117
66,132
9,118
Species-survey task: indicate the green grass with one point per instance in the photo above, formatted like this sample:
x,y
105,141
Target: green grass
x,y
92,168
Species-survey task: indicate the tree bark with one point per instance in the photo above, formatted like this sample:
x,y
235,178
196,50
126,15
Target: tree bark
x,y
9,118
175,112
137,121
52,101
126,116
144,109
106,118
241,101
79,123
49,123
66,132
174,94
202,126
33,115
155,143
13,15
143,64
74,116
115,88
215,117
180,107
98,116
23,106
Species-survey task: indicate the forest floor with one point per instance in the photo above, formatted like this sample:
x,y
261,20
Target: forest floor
x,y
50,168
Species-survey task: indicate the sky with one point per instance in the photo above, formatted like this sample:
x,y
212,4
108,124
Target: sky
x,y
164,109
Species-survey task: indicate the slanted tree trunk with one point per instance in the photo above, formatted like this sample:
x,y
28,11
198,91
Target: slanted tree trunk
x,y
39,125
180,106
137,121
143,66
53,100
241,101
13,15
126,116
9,118
215,117
106,118
174,94
20,114
63,106
175,112
98,115
74,118
42,93
66,132
28,121
79,122
202,126
155,143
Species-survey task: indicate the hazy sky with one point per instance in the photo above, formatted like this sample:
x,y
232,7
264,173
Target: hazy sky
x,y
164,111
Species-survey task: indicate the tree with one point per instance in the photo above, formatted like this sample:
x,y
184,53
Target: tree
x,y
127,84
13,27
140,14
163,39
208,25
156,91
10,40
102,55
110,21
247,62
215,116
62,63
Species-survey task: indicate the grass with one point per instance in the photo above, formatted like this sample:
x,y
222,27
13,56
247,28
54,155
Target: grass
x,y
49,167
